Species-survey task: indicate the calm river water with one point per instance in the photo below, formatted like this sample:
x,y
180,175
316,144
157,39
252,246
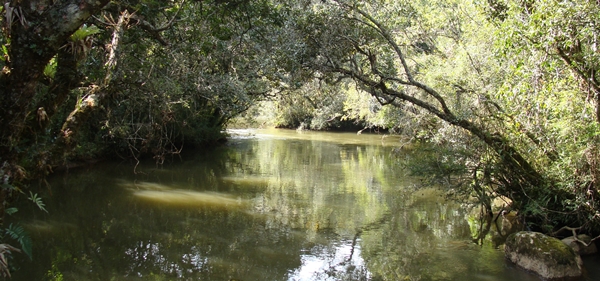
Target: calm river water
x,y
270,205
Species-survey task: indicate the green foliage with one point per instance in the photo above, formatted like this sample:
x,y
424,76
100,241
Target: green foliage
x,y
530,87
551,78
11,210
367,110
37,201
4,53
17,233
319,106
54,274
162,98
50,69
520,75
83,32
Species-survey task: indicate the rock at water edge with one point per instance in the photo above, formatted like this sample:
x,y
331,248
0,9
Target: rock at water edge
x,y
546,256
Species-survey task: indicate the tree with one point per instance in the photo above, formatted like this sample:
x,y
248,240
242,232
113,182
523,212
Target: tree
x,y
371,66
62,93
569,34
55,77
393,50
34,33
550,90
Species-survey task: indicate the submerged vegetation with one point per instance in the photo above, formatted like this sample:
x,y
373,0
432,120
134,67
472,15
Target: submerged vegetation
x,y
506,90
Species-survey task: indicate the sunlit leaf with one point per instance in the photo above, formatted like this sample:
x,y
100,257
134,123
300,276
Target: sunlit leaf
x,y
38,201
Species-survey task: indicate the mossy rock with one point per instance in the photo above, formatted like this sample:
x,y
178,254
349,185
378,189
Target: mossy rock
x,y
546,256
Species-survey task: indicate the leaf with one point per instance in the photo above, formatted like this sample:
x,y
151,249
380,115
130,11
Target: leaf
x,y
38,201
4,54
84,32
18,233
11,210
50,69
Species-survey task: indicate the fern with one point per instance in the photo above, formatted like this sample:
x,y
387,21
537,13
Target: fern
x,y
18,233
38,201
11,210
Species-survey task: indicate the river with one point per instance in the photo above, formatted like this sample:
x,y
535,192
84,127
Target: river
x,y
269,205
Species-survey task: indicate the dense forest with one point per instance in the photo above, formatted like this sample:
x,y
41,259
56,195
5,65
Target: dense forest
x,y
507,91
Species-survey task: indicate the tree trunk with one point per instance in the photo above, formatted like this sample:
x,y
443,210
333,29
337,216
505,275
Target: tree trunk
x,y
36,30
508,155
96,94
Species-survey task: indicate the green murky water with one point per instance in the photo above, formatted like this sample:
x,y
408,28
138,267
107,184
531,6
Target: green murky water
x,y
271,205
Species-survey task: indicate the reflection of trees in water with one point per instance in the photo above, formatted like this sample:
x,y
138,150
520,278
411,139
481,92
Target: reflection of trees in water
x,y
198,244
346,206
114,236
427,239
309,188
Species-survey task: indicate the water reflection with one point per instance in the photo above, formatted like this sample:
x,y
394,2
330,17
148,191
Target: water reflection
x,y
271,205
342,260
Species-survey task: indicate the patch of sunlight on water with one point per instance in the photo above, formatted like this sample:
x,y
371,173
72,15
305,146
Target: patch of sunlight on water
x,y
144,185
163,194
189,198
337,137
48,227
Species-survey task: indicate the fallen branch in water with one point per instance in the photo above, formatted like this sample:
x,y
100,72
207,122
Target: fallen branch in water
x,y
574,232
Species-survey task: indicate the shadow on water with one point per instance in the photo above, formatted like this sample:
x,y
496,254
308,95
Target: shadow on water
x,y
271,205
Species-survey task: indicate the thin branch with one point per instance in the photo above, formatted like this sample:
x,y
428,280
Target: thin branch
x,y
407,71
155,31
574,232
